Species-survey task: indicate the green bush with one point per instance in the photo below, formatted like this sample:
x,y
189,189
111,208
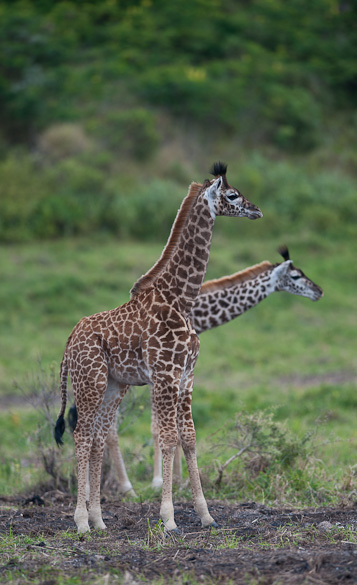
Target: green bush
x,y
148,212
259,62
257,455
22,187
63,141
296,117
130,133
83,194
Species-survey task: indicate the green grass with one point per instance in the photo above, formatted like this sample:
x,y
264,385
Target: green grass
x,y
288,353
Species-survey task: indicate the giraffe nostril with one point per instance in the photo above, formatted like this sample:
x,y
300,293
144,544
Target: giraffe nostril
x,y
254,212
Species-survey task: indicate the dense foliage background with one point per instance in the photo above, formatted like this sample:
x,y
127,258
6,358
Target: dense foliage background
x,y
108,109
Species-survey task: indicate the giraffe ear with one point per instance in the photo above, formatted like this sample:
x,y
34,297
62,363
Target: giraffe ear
x,y
282,268
213,190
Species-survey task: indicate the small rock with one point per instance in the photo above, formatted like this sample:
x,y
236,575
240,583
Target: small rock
x,y
325,526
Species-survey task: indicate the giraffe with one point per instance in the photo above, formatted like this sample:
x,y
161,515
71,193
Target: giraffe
x,y
226,298
148,340
219,302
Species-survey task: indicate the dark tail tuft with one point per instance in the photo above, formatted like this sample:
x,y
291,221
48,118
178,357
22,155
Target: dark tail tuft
x,y
72,417
59,430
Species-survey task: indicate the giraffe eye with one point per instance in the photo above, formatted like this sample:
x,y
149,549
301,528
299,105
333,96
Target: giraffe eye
x,y
232,197
295,276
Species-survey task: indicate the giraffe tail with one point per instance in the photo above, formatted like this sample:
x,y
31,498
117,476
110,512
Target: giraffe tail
x,y
60,424
72,417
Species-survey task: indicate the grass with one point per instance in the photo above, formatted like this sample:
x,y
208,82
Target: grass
x,y
46,289
288,353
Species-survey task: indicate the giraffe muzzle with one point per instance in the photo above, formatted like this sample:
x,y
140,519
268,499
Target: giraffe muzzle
x,y
254,212
318,294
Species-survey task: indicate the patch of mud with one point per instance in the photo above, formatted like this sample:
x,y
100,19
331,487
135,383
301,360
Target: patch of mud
x,y
253,544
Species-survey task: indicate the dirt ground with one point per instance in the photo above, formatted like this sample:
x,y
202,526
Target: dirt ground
x,y
254,544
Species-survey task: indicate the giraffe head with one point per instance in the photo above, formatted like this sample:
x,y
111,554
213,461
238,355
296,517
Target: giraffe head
x,y
226,200
293,280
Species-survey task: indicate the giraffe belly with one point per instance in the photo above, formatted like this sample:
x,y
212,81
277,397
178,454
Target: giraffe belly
x,y
129,371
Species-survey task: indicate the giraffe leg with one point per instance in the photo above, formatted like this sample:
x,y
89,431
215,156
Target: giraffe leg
x,y
95,468
157,475
165,401
177,472
104,421
83,440
177,467
187,434
125,486
83,445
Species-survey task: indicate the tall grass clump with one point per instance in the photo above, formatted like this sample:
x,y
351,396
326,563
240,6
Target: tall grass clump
x,y
257,457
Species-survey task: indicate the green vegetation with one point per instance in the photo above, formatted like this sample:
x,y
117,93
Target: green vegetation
x,y
99,123
288,356
108,111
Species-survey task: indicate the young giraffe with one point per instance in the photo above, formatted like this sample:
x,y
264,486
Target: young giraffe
x,y
219,302
148,340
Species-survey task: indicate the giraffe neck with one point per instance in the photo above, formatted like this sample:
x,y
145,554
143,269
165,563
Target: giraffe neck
x,y
224,299
181,280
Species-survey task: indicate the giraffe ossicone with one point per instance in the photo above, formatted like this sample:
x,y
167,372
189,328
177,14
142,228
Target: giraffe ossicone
x,y
148,340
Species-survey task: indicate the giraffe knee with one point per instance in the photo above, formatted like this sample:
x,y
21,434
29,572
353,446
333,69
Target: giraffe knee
x,y
188,440
168,439
112,439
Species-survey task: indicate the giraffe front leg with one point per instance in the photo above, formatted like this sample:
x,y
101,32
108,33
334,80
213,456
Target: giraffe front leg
x,y
187,434
165,401
157,475
177,472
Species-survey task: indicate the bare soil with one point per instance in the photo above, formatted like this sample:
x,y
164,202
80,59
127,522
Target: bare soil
x,y
254,544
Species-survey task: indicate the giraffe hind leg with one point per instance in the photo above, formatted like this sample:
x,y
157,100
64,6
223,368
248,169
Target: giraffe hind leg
x,y
104,422
89,387
125,486
83,439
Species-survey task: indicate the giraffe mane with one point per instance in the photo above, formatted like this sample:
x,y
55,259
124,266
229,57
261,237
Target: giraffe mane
x,y
237,278
147,279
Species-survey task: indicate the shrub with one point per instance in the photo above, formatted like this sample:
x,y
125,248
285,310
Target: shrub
x,y
148,211
63,141
262,457
22,188
131,133
295,115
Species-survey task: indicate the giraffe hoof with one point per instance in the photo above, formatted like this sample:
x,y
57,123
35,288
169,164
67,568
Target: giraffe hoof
x,y
100,525
174,532
83,528
130,493
214,525
156,483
